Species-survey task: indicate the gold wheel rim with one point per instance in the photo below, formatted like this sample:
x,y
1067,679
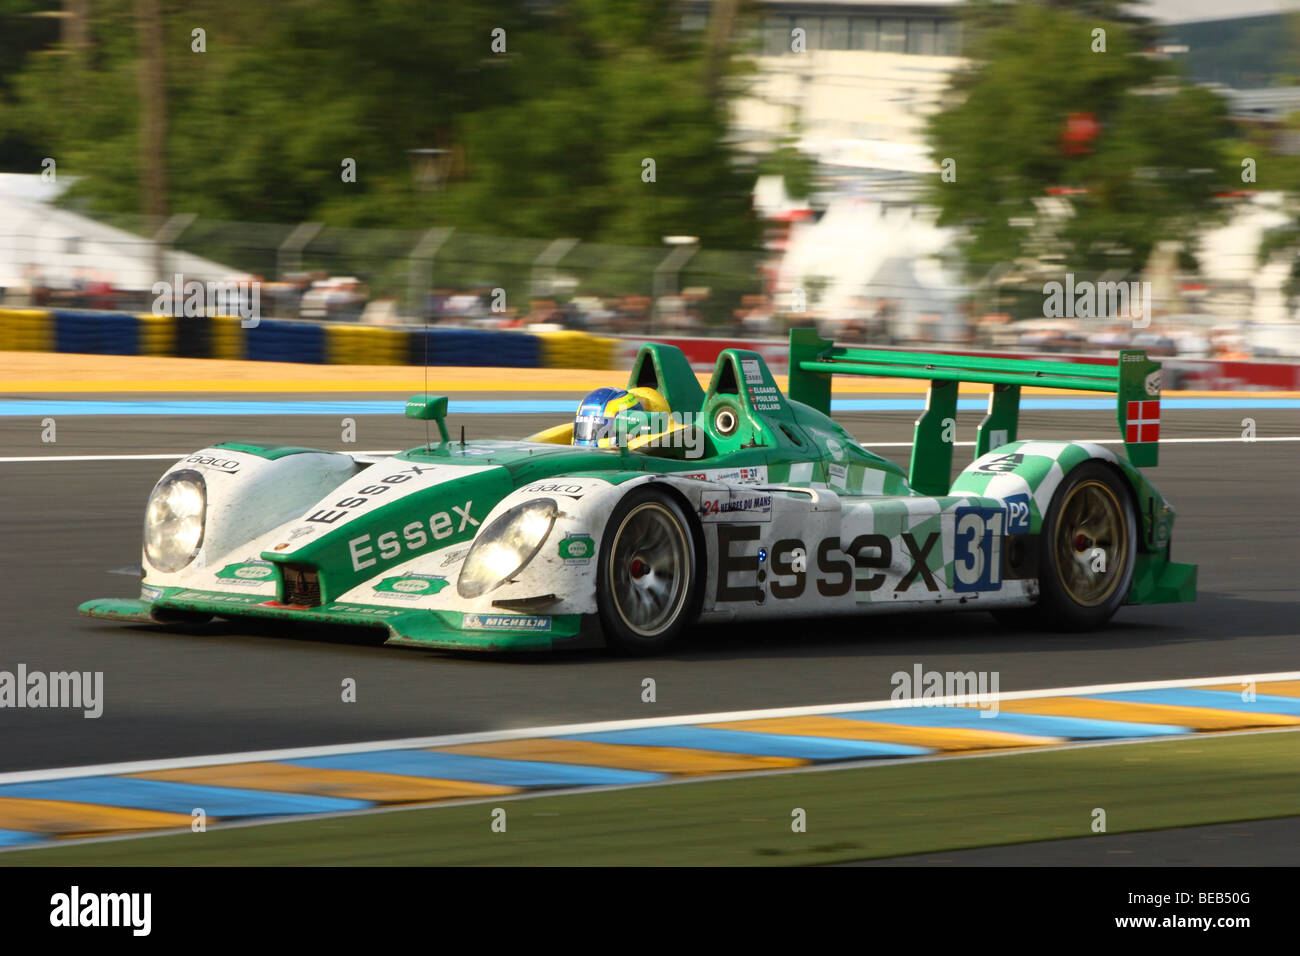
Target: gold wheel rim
x,y
1091,543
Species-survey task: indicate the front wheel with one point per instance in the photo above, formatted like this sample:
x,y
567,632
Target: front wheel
x,y
1087,552
647,578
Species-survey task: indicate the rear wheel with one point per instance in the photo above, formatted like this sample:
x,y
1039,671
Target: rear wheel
x,y
1087,552
647,579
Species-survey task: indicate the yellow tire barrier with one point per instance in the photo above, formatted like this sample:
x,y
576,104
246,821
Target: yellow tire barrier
x,y
157,334
365,345
227,338
26,330
577,350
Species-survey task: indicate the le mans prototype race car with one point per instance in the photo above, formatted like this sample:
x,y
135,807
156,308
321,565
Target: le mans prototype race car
x,y
539,544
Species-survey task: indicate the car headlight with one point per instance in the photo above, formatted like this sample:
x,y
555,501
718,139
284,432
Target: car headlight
x,y
505,546
173,520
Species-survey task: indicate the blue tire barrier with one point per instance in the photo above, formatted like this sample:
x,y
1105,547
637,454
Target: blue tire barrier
x,y
275,340
472,347
102,333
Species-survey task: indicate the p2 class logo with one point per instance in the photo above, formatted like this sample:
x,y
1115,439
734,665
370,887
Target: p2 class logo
x,y
1018,520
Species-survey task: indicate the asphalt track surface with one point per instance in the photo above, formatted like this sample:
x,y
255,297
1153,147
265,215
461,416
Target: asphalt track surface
x,y
67,526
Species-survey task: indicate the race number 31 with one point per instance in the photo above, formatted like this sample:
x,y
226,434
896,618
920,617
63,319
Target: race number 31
x,y
977,549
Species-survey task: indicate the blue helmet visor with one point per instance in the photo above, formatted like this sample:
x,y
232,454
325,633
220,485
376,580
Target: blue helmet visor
x,y
591,425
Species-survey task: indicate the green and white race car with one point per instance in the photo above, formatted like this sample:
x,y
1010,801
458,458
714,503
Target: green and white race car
x,y
539,544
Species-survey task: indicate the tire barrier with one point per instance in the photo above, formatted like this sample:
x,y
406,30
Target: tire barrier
x,y
99,333
474,347
285,340
157,334
26,330
578,350
366,345
273,340
226,339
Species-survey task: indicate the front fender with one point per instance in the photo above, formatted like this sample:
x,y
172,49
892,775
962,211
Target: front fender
x,y
566,564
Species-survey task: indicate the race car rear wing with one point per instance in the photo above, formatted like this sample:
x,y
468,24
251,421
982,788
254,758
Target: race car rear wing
x,y
1133,379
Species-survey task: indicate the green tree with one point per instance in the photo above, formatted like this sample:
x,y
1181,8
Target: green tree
x,y
1280,171
1149,173
27,28
544,139
618,86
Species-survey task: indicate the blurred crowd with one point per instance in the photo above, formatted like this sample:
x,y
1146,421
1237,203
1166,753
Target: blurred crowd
x,y
876,321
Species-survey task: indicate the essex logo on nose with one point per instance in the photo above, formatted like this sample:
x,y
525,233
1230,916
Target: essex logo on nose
x,y
413,537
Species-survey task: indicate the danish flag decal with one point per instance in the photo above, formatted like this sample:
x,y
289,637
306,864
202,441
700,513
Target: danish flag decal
x,y
1142,421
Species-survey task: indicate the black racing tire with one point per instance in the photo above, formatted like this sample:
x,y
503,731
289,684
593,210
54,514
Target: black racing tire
x,y
1091,511
648,574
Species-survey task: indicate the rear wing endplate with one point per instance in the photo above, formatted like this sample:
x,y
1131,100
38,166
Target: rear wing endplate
x,y
1133,379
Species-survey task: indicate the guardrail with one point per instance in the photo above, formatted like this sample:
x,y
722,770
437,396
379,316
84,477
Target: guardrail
x,y
295,340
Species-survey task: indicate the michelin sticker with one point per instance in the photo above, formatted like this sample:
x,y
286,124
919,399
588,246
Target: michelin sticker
x,y
505,622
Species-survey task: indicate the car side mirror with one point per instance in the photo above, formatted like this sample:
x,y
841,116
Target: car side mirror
x,y
429,408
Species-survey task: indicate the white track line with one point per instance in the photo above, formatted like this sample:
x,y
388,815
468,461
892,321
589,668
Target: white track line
x,y
167,457
412,743
867,445
1094,441
94,458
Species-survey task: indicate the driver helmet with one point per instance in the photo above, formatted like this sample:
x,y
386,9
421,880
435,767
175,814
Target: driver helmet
x,y
596,413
